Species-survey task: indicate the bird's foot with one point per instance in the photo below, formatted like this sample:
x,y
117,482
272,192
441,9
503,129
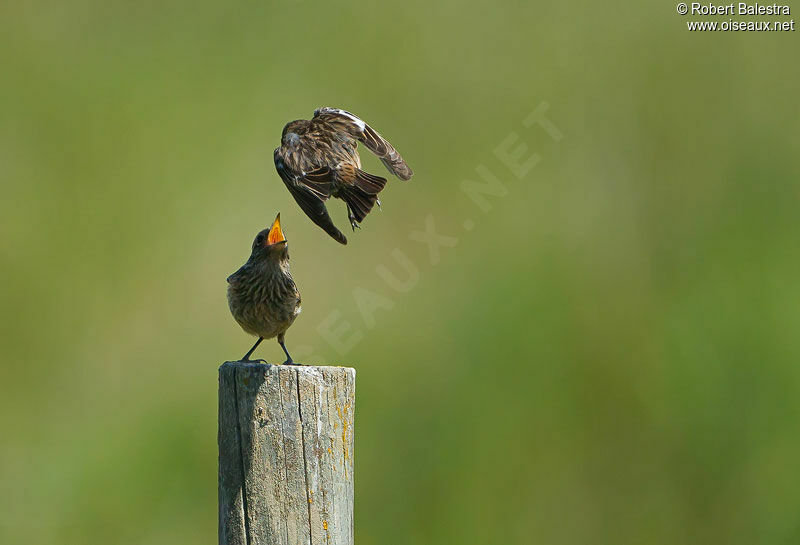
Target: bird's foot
x,y
265,362
290,361
353,222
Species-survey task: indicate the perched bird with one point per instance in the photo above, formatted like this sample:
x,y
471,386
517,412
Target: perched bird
x,y
262,296
317,160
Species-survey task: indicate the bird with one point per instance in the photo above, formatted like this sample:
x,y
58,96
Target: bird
x,y
262,295
318,159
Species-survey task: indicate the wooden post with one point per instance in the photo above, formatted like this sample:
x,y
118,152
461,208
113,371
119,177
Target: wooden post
x,y
285,454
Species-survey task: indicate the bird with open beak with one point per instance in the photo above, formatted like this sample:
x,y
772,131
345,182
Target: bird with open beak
x,y
318,160
262,296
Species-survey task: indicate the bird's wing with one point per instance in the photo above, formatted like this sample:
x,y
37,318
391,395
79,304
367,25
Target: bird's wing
x,y
358,129
310,190
232,279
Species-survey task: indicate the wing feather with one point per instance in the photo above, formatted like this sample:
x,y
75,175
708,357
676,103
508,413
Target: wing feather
x,y
310,190
358,129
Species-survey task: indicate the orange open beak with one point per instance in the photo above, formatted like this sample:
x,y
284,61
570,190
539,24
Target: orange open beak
x,y
275,234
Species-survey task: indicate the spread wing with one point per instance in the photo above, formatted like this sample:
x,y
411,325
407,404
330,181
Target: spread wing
x,y
368,136
310,190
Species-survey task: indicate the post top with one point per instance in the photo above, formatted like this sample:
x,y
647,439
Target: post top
x,y
271,368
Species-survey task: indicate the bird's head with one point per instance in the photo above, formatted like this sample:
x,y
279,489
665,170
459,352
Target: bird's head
x,y
293,131
270,244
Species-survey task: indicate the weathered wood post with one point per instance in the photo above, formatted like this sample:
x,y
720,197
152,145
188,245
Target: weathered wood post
x,y
285,454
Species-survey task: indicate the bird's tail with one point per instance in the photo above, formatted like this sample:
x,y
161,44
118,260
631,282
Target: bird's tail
x,y
363,194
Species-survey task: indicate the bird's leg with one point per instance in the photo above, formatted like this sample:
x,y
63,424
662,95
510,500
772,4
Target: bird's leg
x,y
353,222
246,357
289,360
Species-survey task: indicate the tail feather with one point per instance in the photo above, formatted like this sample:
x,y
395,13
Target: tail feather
x,y
359,201
369,183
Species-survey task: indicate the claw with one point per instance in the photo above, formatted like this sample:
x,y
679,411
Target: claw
x,y
353,223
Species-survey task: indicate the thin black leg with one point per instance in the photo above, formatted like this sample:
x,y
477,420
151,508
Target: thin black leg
x,y
353,223
246,357
289,360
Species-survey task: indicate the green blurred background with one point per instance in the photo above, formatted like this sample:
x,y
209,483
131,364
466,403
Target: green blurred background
x,y
608,357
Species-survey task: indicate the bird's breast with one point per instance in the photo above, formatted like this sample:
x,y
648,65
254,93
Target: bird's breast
x,y
264,305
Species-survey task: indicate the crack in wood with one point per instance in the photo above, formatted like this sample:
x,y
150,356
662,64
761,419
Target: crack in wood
x,y
241,456
305,462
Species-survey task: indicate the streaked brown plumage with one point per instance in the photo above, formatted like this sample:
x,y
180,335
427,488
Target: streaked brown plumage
x,y
262,296
318,159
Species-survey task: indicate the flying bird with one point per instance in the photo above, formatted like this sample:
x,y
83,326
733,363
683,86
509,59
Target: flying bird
x,y
318,159
262,296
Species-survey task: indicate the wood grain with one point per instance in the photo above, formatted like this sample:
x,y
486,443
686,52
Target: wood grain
x,y
285,454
